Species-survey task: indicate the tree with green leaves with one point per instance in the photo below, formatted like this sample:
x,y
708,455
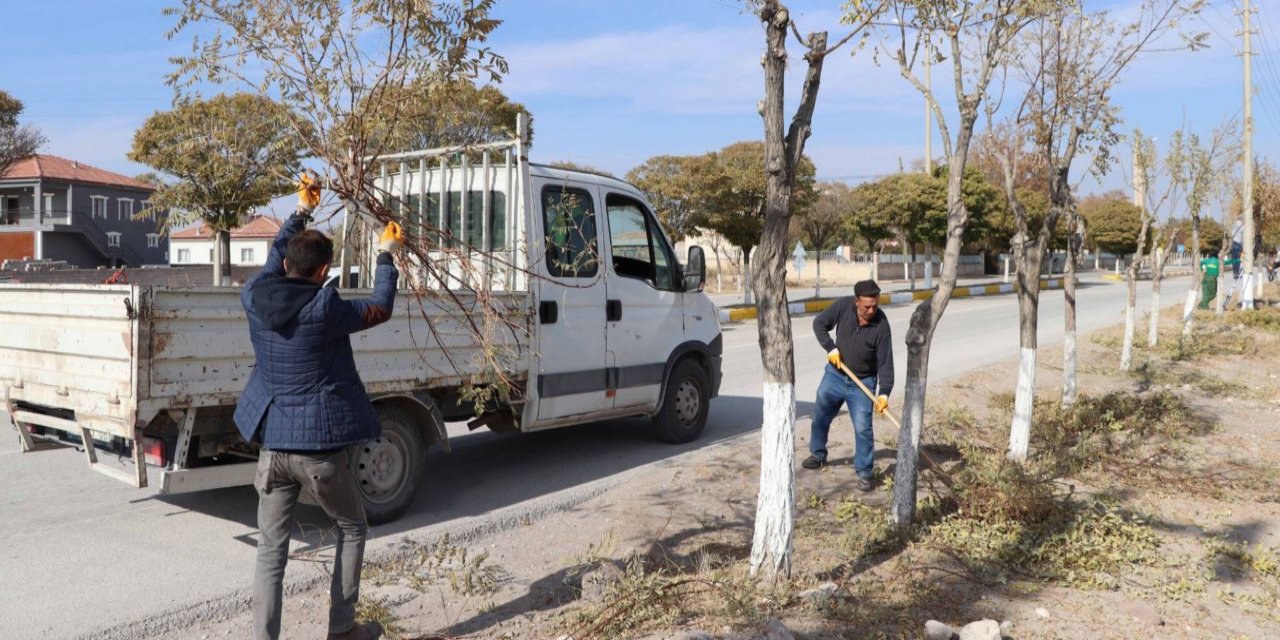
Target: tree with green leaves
x,y
679,189
736,190
912,206
1114,223
219,159
17,141
454,113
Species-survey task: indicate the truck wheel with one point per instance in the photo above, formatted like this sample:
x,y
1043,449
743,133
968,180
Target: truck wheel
x,y
685,404
389,469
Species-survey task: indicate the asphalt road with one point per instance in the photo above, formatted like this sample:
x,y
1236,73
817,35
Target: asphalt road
x,y
87,556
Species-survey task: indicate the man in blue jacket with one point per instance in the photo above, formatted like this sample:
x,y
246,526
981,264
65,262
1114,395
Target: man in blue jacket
x,y
306,406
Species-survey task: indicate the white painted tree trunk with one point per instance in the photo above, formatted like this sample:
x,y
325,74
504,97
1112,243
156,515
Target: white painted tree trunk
x,y
1126,351
1189,309
746,277
771,546
1023,404
1069,367
1153,323
817,284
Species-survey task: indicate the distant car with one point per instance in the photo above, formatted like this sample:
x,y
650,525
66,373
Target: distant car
x,y
336,272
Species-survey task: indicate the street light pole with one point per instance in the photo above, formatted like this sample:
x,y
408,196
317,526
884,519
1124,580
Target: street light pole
x,y
1247,293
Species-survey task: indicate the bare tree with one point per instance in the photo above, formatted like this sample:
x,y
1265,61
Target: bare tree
x,y
784,152
820,226
976,36
344,68
1199,170
16,141
1071,60
1143,155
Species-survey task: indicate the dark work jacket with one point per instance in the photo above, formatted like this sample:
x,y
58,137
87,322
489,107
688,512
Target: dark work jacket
x,y
866,351
304,393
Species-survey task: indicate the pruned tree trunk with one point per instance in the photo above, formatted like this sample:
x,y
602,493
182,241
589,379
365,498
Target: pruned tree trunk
x,y
817,284
1153,321
1131,303
1069,360
1028,292
905,474
907,273
775,506
222,258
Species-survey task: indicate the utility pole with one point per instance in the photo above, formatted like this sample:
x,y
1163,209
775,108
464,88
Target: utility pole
x,y
1247,209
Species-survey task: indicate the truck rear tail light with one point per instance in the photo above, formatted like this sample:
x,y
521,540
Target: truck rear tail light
x,y
155,452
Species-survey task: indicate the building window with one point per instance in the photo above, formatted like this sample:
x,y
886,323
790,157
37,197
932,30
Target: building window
x,y
99,207
184,256
124,209
48,204
153,240
246,256
113,238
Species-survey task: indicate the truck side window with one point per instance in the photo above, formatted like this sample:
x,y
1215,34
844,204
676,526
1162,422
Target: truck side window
x,y
638,247
570,222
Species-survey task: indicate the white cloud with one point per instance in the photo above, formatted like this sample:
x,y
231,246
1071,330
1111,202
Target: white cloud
x,y
686,70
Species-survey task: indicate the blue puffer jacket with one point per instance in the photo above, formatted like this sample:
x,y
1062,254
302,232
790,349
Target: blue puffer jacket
x,y
304,393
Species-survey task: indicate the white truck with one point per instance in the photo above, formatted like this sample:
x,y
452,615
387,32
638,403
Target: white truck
x,y
598,320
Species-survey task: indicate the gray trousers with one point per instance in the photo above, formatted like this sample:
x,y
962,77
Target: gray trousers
x,y
280,479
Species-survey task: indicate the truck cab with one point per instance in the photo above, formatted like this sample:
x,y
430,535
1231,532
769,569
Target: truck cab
x,y
623,328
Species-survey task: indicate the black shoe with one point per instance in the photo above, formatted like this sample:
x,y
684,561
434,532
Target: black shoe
x,y
366,631
814,462
864,484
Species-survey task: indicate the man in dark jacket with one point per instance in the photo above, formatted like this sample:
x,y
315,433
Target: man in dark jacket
x,y
865,346
306,406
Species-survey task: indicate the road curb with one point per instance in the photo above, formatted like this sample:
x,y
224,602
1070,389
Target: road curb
x,y
1119,277
886,299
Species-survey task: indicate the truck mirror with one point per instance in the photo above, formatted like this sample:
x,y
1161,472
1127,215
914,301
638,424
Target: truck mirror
x,y
695,271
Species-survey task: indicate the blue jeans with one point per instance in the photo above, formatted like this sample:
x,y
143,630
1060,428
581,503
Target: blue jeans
x,y
835,390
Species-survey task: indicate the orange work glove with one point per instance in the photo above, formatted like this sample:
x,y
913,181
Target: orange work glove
x,y
392,238
833,356
308,192
881,404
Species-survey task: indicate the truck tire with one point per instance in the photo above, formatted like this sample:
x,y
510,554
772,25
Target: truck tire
x,y
389,469
685,404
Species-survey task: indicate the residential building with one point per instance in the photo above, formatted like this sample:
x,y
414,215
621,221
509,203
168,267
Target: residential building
x,y
249,243
52,208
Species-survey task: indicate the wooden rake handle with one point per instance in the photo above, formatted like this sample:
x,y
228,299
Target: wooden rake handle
x,y
937,468
867,391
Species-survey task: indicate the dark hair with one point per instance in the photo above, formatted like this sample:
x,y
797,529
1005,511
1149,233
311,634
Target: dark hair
x,y
308,251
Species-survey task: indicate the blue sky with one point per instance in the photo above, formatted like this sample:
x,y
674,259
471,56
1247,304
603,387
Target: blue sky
x,y
613,82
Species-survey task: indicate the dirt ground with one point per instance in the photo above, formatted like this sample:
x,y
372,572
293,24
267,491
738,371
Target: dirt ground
x,y
1167,530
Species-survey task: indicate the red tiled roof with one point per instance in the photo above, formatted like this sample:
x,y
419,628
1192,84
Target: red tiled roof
x,y
256,227
58,168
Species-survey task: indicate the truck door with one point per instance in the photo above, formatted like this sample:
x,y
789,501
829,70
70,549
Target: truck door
x,y
644,304
571,304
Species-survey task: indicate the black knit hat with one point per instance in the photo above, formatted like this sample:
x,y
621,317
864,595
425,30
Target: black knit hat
x,y
866,288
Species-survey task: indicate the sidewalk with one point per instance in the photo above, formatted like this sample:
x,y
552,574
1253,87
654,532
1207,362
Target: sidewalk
x,y
896,293
723,300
